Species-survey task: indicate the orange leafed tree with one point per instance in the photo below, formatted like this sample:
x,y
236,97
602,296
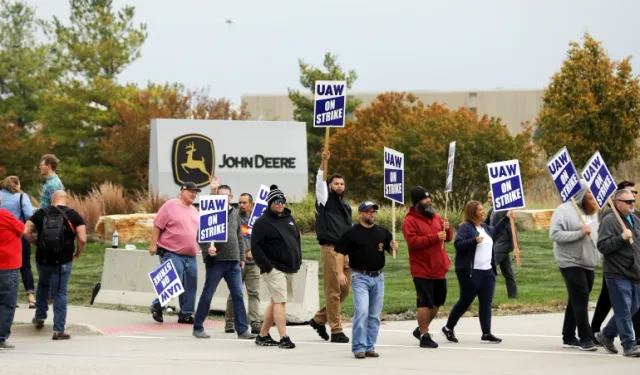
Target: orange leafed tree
x,y
126,145
423,133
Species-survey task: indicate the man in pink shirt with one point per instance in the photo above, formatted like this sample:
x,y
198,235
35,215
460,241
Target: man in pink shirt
x,y
174,237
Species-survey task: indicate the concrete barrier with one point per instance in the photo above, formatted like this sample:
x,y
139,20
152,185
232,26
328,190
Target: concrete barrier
x,y
125,281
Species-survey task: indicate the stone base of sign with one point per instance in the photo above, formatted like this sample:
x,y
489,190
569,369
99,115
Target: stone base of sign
x,y
125,281
132,228
533,219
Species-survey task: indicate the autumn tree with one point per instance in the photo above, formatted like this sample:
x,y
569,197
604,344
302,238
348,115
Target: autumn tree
x,y
304,103
26,65
423,133
591,104
125,149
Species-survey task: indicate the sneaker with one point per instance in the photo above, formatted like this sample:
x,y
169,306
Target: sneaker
x,y
265,341
285,343
588,346
187,320
339,337
360,355
201,334
489,338
416,333
39,323
256,329
606,343
6,346
156,314
246,335
633,352
596,341
61,336
427,342
321,329
449,334
572,343
371,354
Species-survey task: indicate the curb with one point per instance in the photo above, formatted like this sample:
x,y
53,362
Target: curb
x,y
76,329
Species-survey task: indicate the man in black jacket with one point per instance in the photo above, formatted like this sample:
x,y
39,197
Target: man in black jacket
x,y
333,218
275,244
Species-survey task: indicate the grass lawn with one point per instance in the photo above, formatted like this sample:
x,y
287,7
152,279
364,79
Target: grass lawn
x,y
540,284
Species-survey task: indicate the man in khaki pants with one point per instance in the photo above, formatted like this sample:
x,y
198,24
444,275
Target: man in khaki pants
x,y
333,218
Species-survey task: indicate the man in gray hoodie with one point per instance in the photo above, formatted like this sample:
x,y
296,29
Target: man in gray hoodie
x,y
621,268
577,258
224,260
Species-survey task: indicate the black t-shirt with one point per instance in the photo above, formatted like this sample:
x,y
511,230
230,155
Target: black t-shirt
x,y
365,246
47,257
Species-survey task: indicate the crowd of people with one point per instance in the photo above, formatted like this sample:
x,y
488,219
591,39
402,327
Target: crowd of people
x,y
353,258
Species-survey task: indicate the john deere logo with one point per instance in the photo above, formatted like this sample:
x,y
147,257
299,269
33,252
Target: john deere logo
x,y
193,159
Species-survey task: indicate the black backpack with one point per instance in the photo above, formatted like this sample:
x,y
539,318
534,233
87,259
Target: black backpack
x,y
51,238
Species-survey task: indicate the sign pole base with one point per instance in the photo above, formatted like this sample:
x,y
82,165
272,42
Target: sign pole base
x,y
326,148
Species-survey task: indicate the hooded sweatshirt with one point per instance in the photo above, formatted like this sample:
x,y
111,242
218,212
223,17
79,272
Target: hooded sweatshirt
x,y
275,242
571,247
428,258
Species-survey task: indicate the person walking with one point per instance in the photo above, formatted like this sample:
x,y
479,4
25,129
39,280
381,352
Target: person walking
x,y
10,261
275,244
365,244
333,218
577,258
475,269
174,236
17,202
621,268
58,226
425,232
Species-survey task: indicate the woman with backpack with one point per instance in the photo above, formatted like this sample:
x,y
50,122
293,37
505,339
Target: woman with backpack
x,y
18,203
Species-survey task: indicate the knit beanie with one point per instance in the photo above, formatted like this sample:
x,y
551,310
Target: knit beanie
x,y
274,193
418,193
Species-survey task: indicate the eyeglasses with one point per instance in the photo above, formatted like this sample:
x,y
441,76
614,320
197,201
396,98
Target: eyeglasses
x,y
280,201
627,201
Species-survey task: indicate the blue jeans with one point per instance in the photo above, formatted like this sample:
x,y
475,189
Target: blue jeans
x,y
232,274
625,300
368,296
52,281
187,269
8,301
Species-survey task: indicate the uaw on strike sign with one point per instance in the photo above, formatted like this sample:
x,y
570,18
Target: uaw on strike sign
x,y
506,185
330,101
214,216
166,282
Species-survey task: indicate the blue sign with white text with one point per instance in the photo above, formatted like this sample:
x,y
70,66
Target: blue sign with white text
x,y
564,174
506,185
259,206
329,107
394,175
213,218
166,282
599,179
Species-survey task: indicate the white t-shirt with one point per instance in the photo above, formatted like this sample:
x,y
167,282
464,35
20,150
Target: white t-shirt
x,y
484,249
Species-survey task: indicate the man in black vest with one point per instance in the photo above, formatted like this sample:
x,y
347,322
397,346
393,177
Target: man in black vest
x,y
333,218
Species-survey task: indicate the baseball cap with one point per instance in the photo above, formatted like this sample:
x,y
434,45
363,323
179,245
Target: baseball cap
x,y
190,186
366,205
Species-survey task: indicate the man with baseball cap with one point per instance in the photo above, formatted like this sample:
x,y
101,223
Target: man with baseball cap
x,y
174,237
365,244
425,232
275,244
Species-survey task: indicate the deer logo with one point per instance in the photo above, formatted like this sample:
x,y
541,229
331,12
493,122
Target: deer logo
x,y
192,163
193,156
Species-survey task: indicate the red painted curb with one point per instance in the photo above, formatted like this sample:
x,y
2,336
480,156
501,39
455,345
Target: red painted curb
x,y
150,327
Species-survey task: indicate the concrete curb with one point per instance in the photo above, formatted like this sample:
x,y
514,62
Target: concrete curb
x,y
75,329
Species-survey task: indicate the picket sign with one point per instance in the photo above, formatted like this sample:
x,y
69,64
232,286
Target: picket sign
x,y
329,110
393,183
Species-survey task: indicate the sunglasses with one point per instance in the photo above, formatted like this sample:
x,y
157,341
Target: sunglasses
x,y
627,201
280,201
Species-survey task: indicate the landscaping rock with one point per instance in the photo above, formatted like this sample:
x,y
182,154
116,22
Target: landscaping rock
x,y
132,228
533,219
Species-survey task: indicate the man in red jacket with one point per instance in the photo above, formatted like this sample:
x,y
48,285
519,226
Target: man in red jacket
x,y
10,262
424,230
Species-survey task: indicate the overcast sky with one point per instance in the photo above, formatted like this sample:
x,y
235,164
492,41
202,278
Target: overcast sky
x,y
392,45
